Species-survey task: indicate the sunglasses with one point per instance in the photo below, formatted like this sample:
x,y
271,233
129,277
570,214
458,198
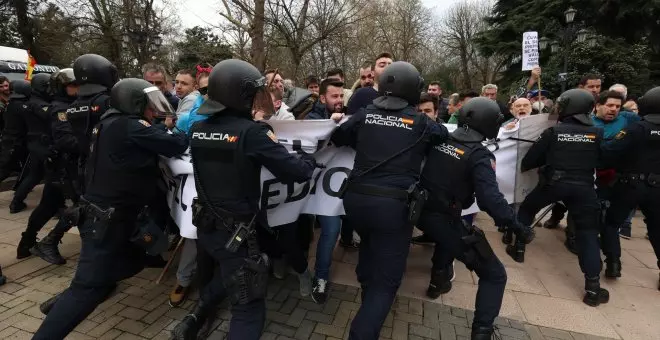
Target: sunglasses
x,y
203,90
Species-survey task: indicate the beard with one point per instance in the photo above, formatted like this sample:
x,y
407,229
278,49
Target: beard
x,y
337,108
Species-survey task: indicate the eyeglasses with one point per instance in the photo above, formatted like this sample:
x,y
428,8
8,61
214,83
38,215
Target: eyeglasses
x,y
203,90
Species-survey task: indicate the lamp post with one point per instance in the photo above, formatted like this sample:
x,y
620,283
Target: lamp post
x,y
143,38
568,35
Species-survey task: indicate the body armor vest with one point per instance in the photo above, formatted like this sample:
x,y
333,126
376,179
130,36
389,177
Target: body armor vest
x,y
118,173
384,134
83,115
222,171
574,151
447,175
646,159
37,120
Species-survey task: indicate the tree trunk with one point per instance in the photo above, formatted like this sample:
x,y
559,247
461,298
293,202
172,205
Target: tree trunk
x,y
25,26
258,47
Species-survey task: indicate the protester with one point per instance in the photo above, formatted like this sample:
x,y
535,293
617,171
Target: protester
x,y
187,119
312,84
435,90
428,105
463,98
185,87
366,95
157,75
631,105
338,74
592,83
281,110
4,99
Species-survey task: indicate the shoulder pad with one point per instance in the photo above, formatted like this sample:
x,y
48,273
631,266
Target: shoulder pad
x,y
390,103
655,118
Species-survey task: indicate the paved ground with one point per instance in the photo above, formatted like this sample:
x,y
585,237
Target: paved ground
x,y
541,302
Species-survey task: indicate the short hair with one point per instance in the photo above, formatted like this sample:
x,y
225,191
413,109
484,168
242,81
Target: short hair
x,y
587,77
488,87
605,95
625,89
154,68
384,55
335,72
311,80
272,70
454,99
189,72
323,87
435,83
367,64
467,94
427,98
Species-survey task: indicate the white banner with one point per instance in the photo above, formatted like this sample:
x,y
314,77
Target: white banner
x,y
530,50
319,196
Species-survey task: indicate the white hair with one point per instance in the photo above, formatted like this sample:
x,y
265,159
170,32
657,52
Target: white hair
x,y
488,87
620,86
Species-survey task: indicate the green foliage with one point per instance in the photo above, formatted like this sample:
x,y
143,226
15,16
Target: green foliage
x,y
628,49
199,47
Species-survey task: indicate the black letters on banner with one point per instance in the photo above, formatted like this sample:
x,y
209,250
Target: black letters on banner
x,y
328,176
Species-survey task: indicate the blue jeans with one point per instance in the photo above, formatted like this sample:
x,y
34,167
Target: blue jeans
x,y
330,226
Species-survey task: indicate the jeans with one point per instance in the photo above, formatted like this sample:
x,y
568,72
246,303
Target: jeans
x,y
330,226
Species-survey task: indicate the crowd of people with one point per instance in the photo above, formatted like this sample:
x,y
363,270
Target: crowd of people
x,y
95,142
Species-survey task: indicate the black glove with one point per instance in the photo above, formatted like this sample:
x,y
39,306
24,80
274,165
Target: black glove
x,y
309,158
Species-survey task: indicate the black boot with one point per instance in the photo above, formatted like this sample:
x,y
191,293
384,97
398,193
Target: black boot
x,y
507,237
516,251
440,282
613,268
3,279
47,305
47,249
188,328
551,223
16,207
595,295
28,240
481,333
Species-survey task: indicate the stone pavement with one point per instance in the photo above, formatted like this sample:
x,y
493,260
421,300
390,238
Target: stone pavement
x,y
540,302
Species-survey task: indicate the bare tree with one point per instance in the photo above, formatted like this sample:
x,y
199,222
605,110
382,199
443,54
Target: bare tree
x,y
249,16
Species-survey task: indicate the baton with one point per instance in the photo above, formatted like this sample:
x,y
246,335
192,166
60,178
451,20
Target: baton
x,y
545,212
23,173
169,261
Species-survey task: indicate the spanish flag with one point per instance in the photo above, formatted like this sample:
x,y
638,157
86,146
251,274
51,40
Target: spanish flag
x,y
30,66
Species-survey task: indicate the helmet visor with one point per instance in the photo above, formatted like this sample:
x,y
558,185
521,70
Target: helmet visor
x,y
157,101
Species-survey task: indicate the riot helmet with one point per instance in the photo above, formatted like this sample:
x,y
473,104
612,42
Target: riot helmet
x,y
576,103
60,80
233,84
481,115
649,104
41,85
131,96
399,86
95,74
20,89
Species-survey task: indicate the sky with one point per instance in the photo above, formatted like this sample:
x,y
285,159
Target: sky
x,y
203,12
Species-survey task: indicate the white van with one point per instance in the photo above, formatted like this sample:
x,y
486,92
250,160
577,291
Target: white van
x,y
13,63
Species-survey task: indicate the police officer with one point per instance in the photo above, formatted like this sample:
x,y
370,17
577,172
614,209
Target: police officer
x,y
228,150
635,154
122,175
568,155
453,172
38,138
15,131
57,186
378,190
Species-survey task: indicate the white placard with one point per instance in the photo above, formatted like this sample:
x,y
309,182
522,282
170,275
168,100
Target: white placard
x,y
530,50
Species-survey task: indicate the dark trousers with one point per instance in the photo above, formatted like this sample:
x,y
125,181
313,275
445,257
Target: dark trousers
x,y
51,201
101,265
285,241
385,234
247,321
447,232
583,207
35,173
626,197
609,233
346,230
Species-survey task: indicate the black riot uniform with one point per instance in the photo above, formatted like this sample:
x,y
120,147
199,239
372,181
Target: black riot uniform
x,y
14,134
567,156
38,140
122,175
635,154
454,171
228,150
390,140
58,185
